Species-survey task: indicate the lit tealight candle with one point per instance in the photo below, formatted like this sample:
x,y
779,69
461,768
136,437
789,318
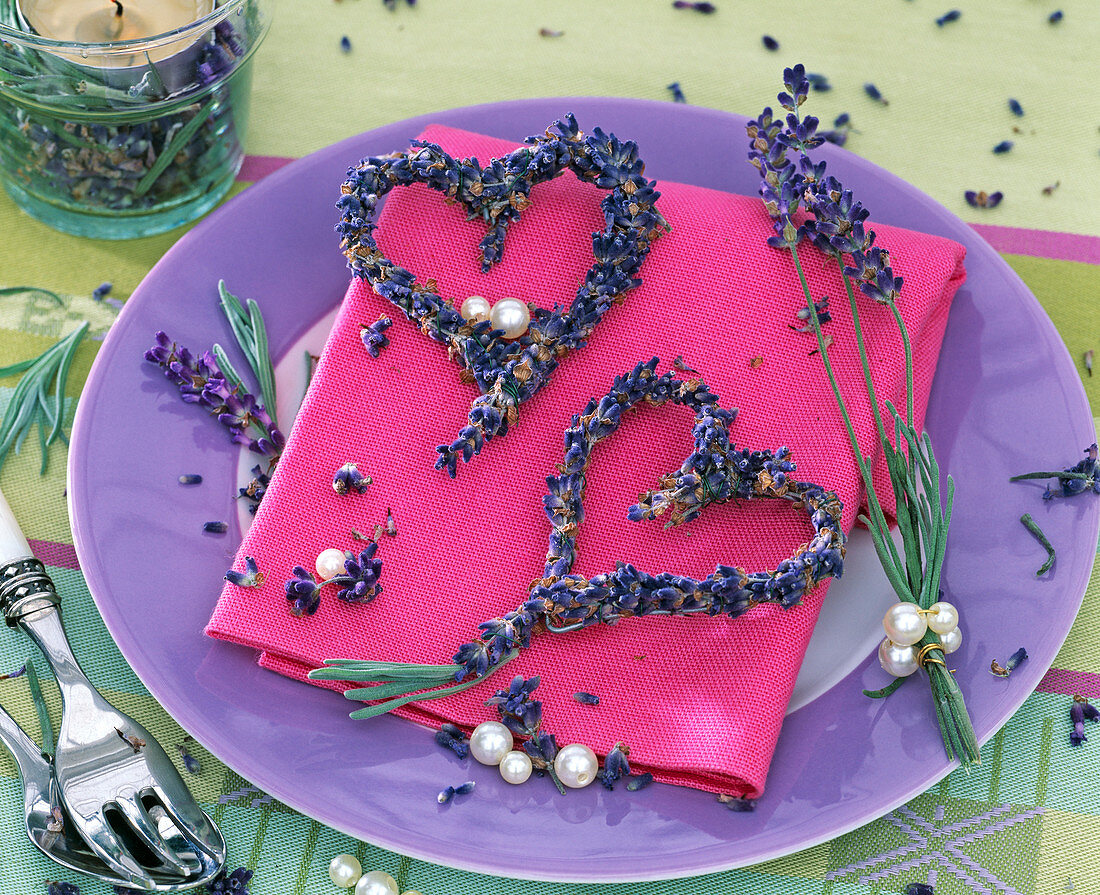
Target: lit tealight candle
x,y
109,21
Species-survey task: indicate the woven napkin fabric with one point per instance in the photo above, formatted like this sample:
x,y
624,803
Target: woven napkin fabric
x,y
700,701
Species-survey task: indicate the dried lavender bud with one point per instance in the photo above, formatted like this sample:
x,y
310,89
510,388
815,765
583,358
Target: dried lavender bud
x,y
217,528
391,526
1088,361
981,199
57,887
345,44
250,577
951,16
348,477
740,805
549,32
820,83
458,745
465,788
705,8
1077,718
1003,147
19,672
189,761
586,698
446,795
101,291
190,479
615,766
1015,107
1016,659
641,781
770,43
677,93
1055,17
874,93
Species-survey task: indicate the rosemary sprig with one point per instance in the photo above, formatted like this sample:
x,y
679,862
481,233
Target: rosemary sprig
x,y
169,152
251,335
31,402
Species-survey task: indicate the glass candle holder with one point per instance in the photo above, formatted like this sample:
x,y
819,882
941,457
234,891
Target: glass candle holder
x,y
129,137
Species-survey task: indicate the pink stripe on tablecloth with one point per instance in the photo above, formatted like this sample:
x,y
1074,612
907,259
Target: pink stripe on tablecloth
x,y
52,553
256,167
1014,240
1041,243
1062,680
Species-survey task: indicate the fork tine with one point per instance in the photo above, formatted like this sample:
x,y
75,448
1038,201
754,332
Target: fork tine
x,y
187,815
103,841
147,831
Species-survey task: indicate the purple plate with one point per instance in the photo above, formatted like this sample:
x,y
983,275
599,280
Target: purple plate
x,y
1006,399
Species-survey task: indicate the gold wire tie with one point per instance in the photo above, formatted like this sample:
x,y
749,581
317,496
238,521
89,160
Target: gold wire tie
x,y
923,657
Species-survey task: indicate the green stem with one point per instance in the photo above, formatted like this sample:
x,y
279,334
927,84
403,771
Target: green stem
x,y
862,352
179,141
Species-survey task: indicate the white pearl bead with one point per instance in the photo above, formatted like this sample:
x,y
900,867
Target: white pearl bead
x,y
345,871
952,640
330,562
511,316
515,767
946,617
576,765
376,882
900,661
904,624
475,309
490,742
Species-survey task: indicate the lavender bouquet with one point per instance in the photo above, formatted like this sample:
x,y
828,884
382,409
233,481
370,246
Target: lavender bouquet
x,y
779,149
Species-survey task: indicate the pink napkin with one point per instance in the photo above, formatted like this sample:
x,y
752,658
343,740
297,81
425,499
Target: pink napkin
x,y
698,700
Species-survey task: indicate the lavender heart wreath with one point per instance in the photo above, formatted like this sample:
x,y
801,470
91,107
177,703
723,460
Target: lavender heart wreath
x,y
716,471
507,372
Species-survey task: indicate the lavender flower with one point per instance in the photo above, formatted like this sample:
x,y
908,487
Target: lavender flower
x,y
235,883
373,336
303,592
255,490
520,712
1082,477
360,583
200,380
348,477
251,577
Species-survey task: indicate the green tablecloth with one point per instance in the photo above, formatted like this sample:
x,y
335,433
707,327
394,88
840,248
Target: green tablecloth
x,y
1029,819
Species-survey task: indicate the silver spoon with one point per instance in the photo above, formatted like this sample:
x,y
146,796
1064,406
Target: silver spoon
x,y
58,840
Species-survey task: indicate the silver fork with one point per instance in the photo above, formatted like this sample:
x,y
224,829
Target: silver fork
x,y
51,830
110,771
